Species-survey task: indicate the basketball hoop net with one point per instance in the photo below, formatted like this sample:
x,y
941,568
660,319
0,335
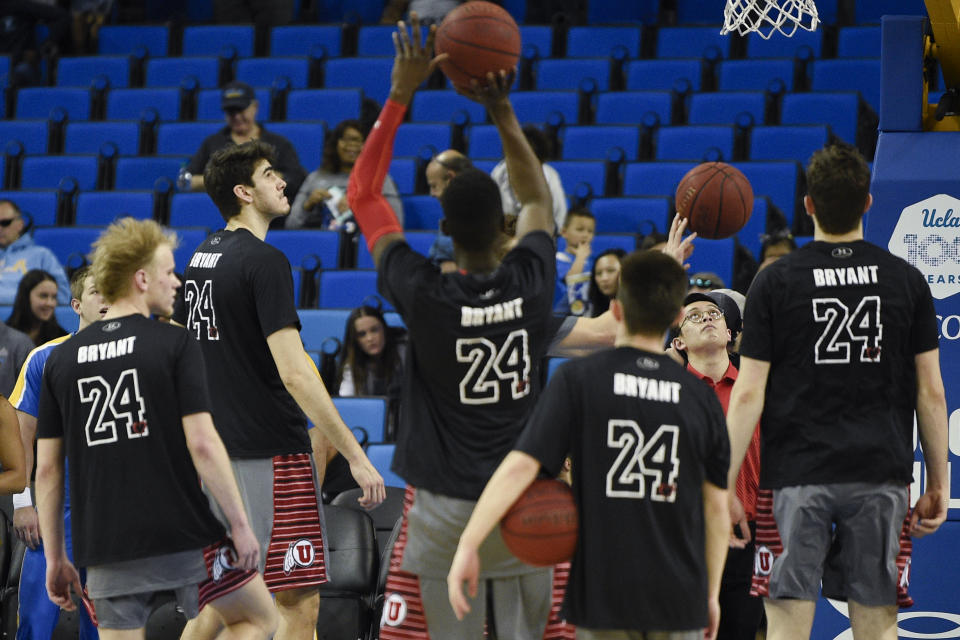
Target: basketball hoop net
x,y
767,16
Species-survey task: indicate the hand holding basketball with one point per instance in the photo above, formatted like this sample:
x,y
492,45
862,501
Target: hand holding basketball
x,y
480,38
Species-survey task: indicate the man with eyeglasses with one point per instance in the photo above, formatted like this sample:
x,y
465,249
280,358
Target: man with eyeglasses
x,y
709,328
19,254
240,106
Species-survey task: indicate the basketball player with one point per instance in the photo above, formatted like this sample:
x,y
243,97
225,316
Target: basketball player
x,y
126,401
37,615
841,350
650,465
238,303
478,335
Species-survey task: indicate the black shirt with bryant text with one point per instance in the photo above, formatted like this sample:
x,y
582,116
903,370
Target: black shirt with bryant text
x,y
840,325
237,291
117,393
644,435
473,368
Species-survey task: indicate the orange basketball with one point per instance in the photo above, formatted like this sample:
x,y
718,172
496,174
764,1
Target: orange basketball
x,y
541,526
716,198
479,37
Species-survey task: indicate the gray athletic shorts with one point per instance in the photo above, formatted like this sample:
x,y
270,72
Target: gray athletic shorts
x,y
616,634
123,593
859,521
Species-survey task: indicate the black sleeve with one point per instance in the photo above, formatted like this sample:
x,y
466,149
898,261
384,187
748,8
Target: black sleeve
x,y
190,376
49,417
540,272
179,308
548,436
401,271
757,327
716,458
272,284
925,317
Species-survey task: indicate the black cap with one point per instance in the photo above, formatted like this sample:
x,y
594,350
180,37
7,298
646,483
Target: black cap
x,y
237,95
729,306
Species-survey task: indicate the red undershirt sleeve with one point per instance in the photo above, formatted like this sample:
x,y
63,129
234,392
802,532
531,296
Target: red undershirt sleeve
x,y
365,188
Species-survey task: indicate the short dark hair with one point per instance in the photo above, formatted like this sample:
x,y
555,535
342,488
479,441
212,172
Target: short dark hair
x,y
231,166
330,159
538,140
473,210
577,212
652,288
838,183
652,239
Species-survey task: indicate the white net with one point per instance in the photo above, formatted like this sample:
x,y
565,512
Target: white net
x,y
769,16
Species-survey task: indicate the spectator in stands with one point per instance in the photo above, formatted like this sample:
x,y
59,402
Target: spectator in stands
x,y
373,355
35,306
429,11
19,254
439,172
88,17
653,240
774,246
240,106
15,346
19,37
605,280
541,147
705,281
321,200
574,263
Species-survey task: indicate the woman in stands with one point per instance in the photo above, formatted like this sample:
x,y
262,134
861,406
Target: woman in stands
x,y
373,355
605,279
321,201
35,306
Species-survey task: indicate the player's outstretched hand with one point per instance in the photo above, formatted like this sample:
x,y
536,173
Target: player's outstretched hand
x,y
370,481
62,576
713,619
929,514
27,526
465,568
246,547
677,246
413,62
494,90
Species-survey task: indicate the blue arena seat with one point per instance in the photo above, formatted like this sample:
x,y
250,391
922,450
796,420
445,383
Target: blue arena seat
x,y
653,178
130,104
189,239
750,235
858,42
805,45
851,74
692,42
88,137
630,107
787,142
67,241
264,72
419,241
603,241
183,138
561,73
316,325
538,38
754,75
698,12
213,40
126,40
590,172
142,172
300,244
722,107
81,72
597,41
538,106
484,142
381,456
46,172
593,142
348,288
367,412
170,72
32,134
67,318
421,212
194,210
370,75
38,206
306,40
306,137
331,106
779,181
442,105
715,256
38,102
103,207
840,110
870,11
411,138
663,75
375,40
637,11
695,142
625,215
404,174
208,104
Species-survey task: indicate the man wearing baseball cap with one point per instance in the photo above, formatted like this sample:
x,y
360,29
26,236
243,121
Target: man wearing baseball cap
x,y
239,104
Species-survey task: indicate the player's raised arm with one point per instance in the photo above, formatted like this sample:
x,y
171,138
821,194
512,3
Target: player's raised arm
x,y
13,478
412,65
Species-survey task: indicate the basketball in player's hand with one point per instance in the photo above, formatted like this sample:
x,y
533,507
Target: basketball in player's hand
x,y
541,526
716,198
479,38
